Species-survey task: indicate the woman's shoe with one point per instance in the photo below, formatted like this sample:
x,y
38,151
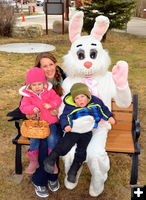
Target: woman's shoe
x,y
41,191
54,185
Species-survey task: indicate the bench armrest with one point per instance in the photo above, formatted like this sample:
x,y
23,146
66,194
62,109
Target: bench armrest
x,y
137,128
136,134
17,136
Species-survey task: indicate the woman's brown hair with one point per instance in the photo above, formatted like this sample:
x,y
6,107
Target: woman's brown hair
x,y
57,78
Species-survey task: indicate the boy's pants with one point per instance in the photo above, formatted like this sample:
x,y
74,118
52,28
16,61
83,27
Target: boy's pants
x,y
69,140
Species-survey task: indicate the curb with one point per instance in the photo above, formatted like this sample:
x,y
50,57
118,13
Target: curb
x,y
34,16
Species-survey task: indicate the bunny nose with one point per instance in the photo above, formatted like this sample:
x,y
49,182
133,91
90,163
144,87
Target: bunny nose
x,y
88,64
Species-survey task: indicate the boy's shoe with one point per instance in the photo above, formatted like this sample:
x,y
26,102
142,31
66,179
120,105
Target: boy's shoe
x,y
49,162
54,185
41,191
73,171
71,178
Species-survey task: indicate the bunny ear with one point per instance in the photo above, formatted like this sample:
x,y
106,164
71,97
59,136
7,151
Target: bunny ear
x,y
100,27
75,26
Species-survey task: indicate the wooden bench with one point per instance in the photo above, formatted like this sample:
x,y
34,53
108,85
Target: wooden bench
x,y
123,138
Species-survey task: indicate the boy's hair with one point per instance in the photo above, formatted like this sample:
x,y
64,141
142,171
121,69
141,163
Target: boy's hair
x,y
79,88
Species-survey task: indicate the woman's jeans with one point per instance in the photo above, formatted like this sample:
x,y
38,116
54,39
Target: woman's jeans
x,y
41,177
52,139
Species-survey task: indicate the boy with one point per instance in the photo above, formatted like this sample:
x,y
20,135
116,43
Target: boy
x,y
79,104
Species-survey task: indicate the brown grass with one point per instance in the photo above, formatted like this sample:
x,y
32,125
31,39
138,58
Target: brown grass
x,y
12,73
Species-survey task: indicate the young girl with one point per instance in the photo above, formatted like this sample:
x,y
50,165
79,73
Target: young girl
x,y
40,99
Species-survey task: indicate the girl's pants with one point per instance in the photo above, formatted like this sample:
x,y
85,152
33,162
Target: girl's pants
x,y
41,177
52,139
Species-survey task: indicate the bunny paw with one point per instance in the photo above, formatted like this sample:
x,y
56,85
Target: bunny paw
x,y
120,74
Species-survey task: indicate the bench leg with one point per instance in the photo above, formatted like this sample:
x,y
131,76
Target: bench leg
x,y
134,170
18,163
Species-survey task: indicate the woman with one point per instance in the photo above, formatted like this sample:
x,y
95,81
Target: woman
x,y
54,74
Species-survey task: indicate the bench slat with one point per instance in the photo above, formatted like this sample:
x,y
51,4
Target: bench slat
x,y
115,107
122,126
120,141
23,140
123,116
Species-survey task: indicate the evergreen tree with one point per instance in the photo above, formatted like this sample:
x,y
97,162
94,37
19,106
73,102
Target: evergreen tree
x,y
118,12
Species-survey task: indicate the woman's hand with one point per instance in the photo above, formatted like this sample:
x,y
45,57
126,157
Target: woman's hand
x,y
67,129
54,112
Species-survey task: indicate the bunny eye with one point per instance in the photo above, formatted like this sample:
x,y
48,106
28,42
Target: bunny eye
x,y
81,54
93,53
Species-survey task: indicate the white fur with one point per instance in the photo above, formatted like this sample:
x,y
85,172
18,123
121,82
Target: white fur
x,y
21,91
83,123
97,159
49,87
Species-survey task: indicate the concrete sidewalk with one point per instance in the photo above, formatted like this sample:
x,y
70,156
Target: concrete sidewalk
x,y
41,19
135,26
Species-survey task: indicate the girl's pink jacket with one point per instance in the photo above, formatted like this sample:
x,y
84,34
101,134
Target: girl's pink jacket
x,y
31,100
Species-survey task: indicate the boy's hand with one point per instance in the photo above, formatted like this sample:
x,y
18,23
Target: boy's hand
x,y
46,105
67,129
111,120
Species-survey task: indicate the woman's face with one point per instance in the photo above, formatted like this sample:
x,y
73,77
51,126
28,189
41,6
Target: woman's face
x,y
49,68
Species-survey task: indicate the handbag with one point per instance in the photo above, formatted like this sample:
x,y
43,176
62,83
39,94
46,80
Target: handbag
x,y
35,129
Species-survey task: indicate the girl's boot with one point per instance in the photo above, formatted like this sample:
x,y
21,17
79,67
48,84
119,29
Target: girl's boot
x,y
33,165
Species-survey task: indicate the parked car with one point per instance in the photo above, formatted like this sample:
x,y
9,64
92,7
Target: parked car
x,y
24,1
39,2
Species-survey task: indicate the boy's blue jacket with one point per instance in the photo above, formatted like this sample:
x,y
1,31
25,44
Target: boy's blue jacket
x,y
95,108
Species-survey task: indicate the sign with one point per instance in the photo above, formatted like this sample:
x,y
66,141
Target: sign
x,y
54,7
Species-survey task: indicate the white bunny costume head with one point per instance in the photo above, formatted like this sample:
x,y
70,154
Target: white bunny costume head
x,y
86,58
